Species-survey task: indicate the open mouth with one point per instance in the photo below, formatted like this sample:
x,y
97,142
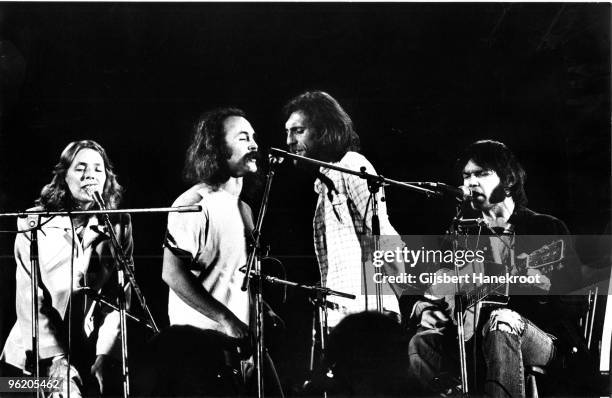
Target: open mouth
x,y
89,188
252,157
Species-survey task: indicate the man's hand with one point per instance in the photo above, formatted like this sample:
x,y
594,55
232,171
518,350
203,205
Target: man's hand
x,y
58,370
544,282
104,368
433,319
234,327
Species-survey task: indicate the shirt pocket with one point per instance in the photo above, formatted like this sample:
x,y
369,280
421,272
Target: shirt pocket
x,y
340,208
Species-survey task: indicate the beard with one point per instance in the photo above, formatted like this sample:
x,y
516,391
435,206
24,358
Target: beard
x,y
497,196
304,165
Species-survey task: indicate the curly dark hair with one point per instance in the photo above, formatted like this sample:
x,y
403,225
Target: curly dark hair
x,y
207,155
496,156
333,128
56,195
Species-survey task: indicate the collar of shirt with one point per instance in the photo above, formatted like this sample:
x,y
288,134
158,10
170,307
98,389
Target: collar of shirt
x,y
318,184
89,236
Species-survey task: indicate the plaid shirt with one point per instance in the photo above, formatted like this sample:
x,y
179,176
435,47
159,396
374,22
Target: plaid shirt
x,y
342,207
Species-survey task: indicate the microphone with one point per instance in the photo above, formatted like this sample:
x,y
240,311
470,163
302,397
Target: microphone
x,y
276,156
465,194
93,191
274,159
99,201
462,193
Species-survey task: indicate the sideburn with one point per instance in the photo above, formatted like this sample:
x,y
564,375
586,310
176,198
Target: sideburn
x,y
498,195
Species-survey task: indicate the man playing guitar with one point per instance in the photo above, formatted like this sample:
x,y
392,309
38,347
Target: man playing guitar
x,y
509,339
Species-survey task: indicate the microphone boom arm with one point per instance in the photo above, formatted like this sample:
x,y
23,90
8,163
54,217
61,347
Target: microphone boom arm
x,y
379,179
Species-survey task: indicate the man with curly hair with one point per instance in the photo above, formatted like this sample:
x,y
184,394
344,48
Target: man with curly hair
x,y
204,251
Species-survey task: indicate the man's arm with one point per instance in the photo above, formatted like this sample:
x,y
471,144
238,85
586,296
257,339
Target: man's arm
x,y
434,318
185,285
421,310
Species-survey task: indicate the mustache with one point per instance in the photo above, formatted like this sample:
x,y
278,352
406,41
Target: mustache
x,y
255,155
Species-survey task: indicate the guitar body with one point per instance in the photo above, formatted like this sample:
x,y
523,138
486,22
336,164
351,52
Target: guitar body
x,y
475,298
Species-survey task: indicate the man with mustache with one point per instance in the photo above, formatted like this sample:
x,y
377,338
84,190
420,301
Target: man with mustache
x,y
509,339
319,128
203,252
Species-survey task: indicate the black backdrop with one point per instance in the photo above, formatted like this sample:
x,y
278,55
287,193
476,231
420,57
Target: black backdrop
x,y
420,81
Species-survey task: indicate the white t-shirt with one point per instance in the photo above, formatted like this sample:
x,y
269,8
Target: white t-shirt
x,y
215,239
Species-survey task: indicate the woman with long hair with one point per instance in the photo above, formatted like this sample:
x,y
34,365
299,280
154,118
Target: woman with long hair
x,y
77,336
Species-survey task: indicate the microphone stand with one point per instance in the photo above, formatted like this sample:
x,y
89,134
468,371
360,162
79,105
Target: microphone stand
x,y
370,177
107,302
35,270
320,301
320,310
460,329
70,213
455,228
254,266
124,268
374,187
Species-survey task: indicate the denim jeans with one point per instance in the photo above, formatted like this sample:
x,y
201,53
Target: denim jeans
x,y
509,343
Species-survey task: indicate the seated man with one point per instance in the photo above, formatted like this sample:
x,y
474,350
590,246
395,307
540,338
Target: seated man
x,y
530,329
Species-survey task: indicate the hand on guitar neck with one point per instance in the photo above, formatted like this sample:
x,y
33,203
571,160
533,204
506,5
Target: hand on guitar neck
x,y
435,319
543,283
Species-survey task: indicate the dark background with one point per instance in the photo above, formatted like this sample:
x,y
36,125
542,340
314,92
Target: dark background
x,y
421,81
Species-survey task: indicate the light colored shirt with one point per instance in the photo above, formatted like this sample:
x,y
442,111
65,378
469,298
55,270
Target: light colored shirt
x,y
342,216
215,240
93,266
